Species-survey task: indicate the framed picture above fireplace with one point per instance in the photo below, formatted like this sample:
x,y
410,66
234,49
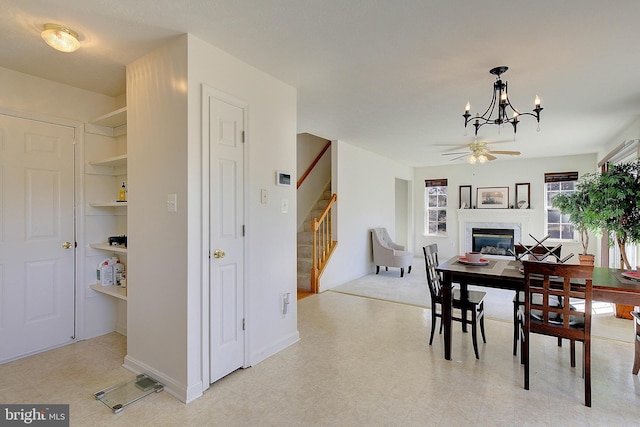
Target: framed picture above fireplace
x,y
492,197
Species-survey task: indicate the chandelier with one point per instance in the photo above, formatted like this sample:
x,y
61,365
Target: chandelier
x,y
505,112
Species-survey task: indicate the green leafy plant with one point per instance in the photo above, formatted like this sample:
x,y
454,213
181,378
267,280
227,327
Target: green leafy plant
x,y
574,205
610,201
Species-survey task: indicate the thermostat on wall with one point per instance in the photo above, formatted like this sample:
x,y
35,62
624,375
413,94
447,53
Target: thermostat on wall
x,y
283,178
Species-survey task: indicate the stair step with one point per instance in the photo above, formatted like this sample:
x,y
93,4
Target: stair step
x,y
305,251
304,265
304,282
305,237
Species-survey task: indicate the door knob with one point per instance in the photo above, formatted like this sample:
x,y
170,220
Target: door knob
x,y
67,245
218,253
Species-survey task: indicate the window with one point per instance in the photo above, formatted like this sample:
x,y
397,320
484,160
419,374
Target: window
x,y
558,226
435,207
628,151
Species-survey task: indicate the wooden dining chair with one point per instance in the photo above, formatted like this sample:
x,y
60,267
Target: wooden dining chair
x,y
552,280
473,304
518,298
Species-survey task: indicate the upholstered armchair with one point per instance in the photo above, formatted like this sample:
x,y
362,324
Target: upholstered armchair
x,y
389,254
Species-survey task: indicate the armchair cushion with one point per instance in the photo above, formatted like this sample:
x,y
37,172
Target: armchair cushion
x,y
386,253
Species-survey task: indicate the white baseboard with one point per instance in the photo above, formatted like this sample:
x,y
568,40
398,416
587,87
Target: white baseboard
x,y
175,388
266,352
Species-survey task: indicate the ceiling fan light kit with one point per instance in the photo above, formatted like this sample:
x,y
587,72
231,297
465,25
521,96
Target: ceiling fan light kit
x,y
501,105
480,153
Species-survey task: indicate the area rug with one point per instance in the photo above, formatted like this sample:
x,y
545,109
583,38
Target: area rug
x,y
412,290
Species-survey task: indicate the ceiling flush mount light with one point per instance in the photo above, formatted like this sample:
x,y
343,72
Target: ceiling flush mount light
x,y
60,37
504,111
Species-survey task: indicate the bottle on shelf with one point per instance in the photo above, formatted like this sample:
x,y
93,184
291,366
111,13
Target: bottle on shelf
x,y
123,193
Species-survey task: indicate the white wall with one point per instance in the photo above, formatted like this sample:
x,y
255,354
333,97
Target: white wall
x,y
307,148
632,131
271,235
43,99
403,212
157,338
365,183
499,173
165,251
22,92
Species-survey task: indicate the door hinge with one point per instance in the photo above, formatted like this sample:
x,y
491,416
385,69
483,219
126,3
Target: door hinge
x,y
243,324
242,230
242,136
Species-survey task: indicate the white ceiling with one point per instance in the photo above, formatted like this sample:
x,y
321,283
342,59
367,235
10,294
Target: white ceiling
x,y
392,76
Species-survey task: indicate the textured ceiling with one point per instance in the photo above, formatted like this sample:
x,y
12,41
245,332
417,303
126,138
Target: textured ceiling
x,y
389,76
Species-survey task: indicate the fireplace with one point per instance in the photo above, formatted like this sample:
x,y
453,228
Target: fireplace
x,y
516,220
492,241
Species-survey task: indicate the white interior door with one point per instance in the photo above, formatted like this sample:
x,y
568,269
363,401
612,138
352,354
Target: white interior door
x,y
226,240
37,305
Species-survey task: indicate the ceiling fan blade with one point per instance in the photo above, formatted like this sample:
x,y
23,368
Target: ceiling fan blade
x,y
459,157
511,153
490,157
452,154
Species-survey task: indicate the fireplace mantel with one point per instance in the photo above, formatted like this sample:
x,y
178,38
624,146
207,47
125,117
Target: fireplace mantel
x,y
517,219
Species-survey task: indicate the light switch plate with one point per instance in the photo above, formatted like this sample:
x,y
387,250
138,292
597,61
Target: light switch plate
x,y
172,202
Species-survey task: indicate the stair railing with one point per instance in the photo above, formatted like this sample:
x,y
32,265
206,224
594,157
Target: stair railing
x,y
323,244
313,165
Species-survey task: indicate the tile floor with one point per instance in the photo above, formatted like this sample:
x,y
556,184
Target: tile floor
x,y
360,362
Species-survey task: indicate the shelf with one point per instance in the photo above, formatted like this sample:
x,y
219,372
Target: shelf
x,y
107,247
111,161
111,290
113,119
108,204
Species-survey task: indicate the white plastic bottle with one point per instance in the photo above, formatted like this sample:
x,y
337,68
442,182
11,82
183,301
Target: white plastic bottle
x,y
118,270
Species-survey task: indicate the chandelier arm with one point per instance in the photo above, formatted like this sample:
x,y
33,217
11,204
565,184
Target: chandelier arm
x,y
500,90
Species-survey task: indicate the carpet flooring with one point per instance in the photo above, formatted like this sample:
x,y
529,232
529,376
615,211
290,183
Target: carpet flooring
x,y
412,290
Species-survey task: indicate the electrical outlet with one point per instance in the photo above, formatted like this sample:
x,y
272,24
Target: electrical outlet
x,y
264,196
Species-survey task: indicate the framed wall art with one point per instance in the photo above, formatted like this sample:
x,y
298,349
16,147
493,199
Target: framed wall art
x,y
523,194
492,197
465,197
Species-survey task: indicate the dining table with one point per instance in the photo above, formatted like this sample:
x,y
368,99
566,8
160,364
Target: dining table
x,y
609,284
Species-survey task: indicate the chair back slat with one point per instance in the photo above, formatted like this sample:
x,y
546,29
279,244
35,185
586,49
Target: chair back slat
x,y
538,250
569,283
433,276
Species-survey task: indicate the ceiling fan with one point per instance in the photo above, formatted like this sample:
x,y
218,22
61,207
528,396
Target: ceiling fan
x,y
479,152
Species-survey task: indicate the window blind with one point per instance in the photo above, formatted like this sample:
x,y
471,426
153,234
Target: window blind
x,y
435,182
560,176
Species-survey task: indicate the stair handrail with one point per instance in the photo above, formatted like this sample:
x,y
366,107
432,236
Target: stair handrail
x,y
313,165
323,244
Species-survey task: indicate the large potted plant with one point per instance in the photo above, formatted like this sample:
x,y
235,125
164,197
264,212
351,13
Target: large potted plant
x,y
575,205
609,201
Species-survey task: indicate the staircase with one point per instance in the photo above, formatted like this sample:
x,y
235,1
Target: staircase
x,y
305,243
